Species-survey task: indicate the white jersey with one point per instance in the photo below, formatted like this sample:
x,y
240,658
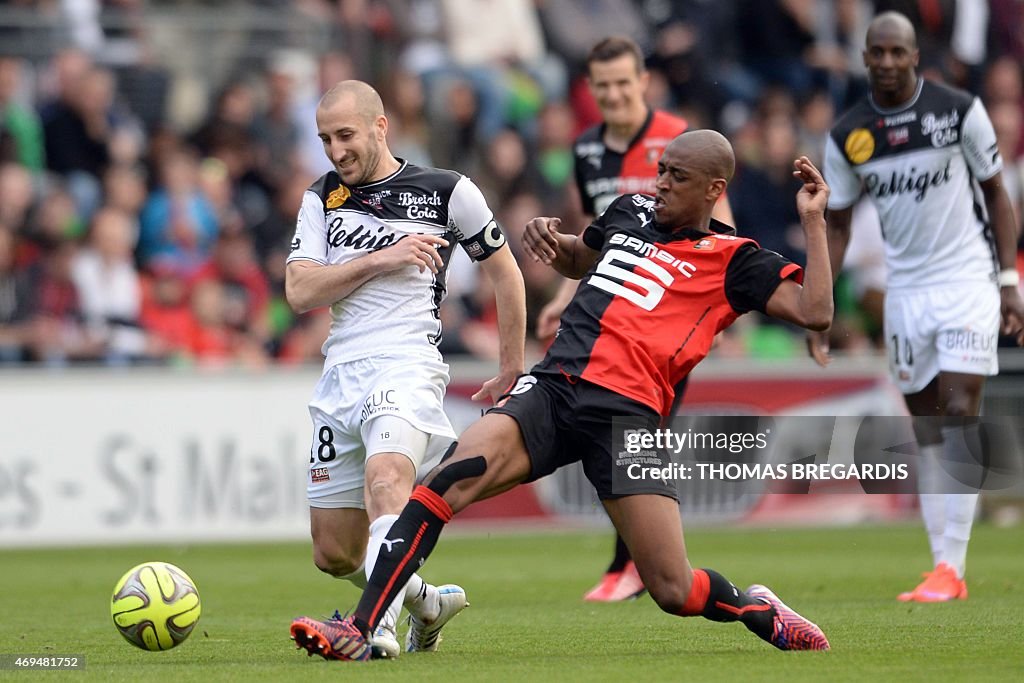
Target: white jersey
x,y
919,164
398,311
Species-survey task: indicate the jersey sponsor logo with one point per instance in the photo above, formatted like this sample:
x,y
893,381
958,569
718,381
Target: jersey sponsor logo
x,y
591,151
859,145
319,474
419,206
911,182
361,237
643,201
899,119
650,251
337,197
296,243
898,136
941,128
602,186
705,244
376,199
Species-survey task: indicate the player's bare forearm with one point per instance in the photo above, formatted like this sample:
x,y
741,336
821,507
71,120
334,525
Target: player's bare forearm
x,y
1000,210
309,285
510,299
567,254
575,257
815,300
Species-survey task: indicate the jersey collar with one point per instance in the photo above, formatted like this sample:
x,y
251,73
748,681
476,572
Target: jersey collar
x,y
716,228
402,163
636,138
898,108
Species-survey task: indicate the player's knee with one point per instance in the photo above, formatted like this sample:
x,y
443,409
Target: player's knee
x,y
336,561
959,406
669,592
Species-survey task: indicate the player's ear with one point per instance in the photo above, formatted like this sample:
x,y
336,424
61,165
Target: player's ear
x,y
916,57
381,126
716,188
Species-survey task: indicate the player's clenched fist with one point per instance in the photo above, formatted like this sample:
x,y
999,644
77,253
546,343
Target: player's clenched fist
x,y
540,239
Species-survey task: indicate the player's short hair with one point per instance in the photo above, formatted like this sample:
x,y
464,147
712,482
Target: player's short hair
x,y
614,47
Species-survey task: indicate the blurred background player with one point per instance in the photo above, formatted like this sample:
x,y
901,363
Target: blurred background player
x,y
620,355
618,156
926,155
372,242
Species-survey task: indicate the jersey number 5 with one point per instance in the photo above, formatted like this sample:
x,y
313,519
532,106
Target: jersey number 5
x,y
613,279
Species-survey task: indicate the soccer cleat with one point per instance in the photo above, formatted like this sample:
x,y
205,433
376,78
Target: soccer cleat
x,y
425,636
333,638
617,586
939,585
384,642
790,631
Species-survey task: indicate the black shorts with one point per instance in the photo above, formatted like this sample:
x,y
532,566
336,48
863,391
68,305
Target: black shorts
x,y
565,421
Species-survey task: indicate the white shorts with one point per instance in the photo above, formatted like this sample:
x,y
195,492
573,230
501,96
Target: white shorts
x,y
941,329
384,404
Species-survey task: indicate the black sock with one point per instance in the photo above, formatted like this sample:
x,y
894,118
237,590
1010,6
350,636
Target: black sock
x,y
714,597
621,557
412,538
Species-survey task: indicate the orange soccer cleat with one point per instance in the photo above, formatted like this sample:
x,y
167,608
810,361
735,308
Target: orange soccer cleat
x,y
334,638
939,585
790,631
617,586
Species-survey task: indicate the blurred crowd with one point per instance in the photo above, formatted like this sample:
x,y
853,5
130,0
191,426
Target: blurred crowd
x,y
147,202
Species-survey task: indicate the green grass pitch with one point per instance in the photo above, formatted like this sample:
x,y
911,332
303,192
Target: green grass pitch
x,y
527,622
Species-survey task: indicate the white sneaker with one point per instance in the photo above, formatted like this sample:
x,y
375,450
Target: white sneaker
x,y
384,642
424,636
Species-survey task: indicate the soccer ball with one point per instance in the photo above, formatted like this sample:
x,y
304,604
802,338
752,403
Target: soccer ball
x,y
155,606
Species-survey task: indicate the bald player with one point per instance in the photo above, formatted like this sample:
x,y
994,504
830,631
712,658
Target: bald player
x,y
372,242
926,156
621,351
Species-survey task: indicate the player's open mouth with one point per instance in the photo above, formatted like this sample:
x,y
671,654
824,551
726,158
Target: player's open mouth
x,y
659,202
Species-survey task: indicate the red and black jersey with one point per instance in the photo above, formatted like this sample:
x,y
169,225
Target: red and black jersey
x,y
649,309
603,174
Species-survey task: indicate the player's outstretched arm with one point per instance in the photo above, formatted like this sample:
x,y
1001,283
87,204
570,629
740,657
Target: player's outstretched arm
x,y
309,285
810,305
510,298
567,254
838,232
